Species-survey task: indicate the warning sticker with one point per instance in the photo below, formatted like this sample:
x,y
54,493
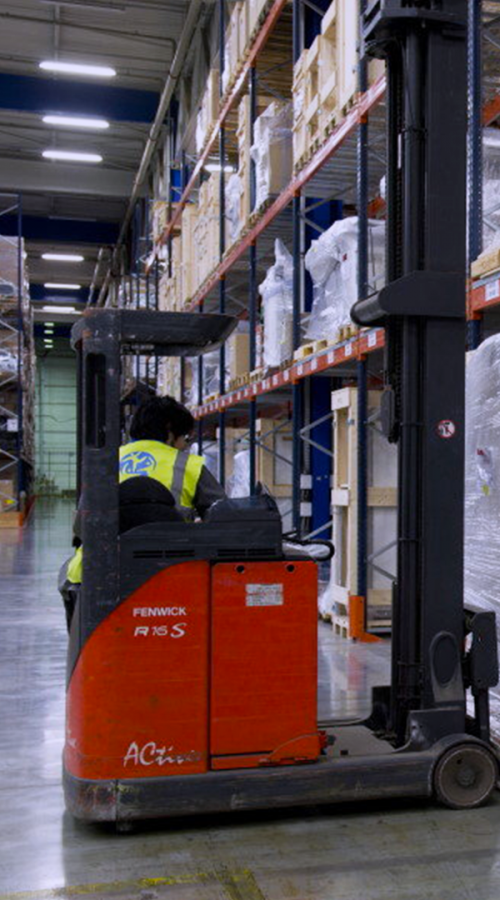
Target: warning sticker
x,y
264,595
446,429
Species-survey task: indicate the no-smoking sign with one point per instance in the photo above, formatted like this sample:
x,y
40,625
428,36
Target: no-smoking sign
x,y
446,429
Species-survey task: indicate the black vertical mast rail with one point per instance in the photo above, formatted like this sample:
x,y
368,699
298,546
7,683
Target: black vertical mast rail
x,y
423,309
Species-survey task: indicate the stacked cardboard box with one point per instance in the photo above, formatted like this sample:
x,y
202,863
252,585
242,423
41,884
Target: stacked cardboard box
x,y
209,110
256,12
233,46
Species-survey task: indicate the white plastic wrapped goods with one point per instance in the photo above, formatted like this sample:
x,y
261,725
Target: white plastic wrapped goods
x,y
232,204
277,308
272,151
482,487
332,261
239,483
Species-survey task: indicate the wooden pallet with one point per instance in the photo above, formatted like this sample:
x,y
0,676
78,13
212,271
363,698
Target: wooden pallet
x,y
382,512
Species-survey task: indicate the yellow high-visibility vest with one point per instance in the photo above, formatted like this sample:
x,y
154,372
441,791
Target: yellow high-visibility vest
x,y
179,471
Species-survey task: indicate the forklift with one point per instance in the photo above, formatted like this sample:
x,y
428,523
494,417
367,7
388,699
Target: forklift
x,y
192,662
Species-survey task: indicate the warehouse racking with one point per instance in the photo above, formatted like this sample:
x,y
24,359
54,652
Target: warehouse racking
x,y
17,370
345,162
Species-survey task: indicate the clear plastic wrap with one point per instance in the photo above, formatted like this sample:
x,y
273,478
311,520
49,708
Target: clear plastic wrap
x,y
211,379
482,487
332,261
233,192
239,483
272,151
277,308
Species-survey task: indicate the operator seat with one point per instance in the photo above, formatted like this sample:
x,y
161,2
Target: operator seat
x,y
144,500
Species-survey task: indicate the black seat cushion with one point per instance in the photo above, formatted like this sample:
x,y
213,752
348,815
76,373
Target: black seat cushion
x,y
144,500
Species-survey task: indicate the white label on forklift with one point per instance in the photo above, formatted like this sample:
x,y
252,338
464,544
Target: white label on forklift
x,y
372,339
348,349
264,595
492,290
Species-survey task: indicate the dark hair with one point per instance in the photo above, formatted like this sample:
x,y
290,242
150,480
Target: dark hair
x,y
158,416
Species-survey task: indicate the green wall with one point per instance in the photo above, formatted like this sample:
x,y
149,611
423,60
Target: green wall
x,y
55,462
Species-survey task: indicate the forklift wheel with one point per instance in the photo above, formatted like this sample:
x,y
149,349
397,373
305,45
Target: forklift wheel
x,y
465,776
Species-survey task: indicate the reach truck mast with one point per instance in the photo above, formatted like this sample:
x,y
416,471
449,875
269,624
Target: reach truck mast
x,y
212,708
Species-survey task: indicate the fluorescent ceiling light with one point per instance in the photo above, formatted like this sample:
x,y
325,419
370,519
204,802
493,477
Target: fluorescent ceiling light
x,y
49,324
69,68
63,257
61,309
215,167
52,285
76,122
70,156
49,331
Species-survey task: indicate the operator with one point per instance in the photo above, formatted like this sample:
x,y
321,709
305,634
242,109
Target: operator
x,y
161,431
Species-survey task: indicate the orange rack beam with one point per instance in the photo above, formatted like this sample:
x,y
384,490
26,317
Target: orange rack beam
x,y
365,342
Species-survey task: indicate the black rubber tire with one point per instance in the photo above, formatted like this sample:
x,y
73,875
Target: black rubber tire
x,y
465,776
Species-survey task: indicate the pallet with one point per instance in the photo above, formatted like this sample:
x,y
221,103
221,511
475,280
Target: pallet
x,y
382,512
239,381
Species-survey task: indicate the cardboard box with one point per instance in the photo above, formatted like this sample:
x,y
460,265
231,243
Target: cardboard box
x,y
238,354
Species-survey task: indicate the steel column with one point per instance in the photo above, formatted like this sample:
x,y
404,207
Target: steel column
x,y
222,248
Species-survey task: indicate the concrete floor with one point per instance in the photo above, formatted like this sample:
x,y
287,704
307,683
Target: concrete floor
x,y
374,852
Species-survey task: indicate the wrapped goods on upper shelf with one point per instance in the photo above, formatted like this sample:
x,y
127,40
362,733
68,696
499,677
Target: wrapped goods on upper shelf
x,y
209,110
169,377
325,82
238,351
482,488
244,135
332,262
159,216
256,13
277,308
233,46
272,151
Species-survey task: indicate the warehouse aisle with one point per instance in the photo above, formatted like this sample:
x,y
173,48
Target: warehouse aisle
x,y
357,853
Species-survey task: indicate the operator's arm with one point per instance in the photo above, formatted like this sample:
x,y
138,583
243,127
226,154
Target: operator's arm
x,y
207,492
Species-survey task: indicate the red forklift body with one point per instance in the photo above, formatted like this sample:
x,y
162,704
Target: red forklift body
x,y
199,668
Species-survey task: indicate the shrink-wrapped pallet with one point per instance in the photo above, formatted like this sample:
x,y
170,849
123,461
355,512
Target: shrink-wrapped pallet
x,y
272,151
482,487
332,262
277,308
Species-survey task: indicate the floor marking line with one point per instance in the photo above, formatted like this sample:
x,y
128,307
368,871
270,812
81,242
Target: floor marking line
x,y
81,890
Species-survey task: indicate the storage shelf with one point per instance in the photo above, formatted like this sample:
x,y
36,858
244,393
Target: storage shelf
x,y
348,351
227,105
484,295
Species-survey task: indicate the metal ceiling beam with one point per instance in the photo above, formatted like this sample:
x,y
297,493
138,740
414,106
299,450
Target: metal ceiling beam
x,y
27,93
58,178
61,230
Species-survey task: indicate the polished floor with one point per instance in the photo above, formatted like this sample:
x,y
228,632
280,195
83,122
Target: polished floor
x,y
371,852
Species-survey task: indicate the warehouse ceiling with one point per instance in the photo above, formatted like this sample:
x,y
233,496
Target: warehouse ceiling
x,y
68,207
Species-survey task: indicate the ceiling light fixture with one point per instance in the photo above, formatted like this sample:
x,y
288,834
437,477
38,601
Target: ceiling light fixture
x,y
61,309
49,324
63,257
69,68
76,122
53,285
70,156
